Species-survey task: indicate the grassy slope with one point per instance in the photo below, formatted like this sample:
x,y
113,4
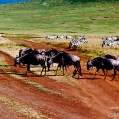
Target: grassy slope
x,y
38,17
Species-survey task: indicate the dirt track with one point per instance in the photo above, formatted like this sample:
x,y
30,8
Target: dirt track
x,y
35,97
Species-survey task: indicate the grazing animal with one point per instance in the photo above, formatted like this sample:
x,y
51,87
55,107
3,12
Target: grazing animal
x,y
69,37
64,59
60,36
51,37
77,42
110,41
31,59
107,62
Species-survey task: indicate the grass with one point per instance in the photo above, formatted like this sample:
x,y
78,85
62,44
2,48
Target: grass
x,y
35,17
4,66
59,17
91,49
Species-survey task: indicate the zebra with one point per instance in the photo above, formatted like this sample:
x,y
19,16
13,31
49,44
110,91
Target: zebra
x,y
110,41
51,37
77,42
60,36
69,37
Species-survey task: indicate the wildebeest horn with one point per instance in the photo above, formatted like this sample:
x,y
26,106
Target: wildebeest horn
x,y
17,56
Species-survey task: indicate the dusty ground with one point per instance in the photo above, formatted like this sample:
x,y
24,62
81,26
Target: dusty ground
x,y
57,97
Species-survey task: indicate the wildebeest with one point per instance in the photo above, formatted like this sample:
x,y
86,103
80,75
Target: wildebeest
x,y
31,59
64,59
107,62
22,52
50,53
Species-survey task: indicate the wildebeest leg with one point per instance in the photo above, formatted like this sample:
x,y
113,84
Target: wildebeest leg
x,y
96,72
114,74
28,68
74,72
105,74
63,69
48,65
56,70
44,67
79,70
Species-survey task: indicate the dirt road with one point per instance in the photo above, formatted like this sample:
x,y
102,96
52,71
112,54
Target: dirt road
x,y
57,97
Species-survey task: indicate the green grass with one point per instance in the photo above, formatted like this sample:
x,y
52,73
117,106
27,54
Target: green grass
x,y
44,17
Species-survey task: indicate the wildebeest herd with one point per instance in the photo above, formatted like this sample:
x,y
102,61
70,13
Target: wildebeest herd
x,y
35,57
47,57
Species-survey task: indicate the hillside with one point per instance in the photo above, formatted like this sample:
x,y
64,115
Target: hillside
x,y
60,17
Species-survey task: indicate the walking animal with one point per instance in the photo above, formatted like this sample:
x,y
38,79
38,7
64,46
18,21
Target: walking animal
x,y
64,59
22,52
107,62
31,59
77,42
50,53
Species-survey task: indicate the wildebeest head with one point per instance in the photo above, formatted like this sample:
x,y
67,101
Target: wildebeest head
x,y
89,64
16,61
49,60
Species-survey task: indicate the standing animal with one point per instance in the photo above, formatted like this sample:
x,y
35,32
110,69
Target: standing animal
x,y
64,59
22,52
51,37
110,41
50,53
107,62
69,37
31,59
77,42
58,58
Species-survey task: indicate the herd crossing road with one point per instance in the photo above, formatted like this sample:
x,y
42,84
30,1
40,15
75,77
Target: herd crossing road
x,y
34,97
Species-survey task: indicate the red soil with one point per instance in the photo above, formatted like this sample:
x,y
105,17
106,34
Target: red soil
x,y
89,99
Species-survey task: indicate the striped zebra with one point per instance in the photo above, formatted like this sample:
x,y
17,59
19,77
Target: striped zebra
x,y
110,41
51,37
77,42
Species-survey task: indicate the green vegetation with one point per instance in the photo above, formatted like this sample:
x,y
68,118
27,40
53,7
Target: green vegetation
x,y
57,16
74,17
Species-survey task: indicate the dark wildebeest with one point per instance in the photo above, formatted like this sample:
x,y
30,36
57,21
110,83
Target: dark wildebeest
x,y
64,59
22,52
50,53
31,59
107,62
